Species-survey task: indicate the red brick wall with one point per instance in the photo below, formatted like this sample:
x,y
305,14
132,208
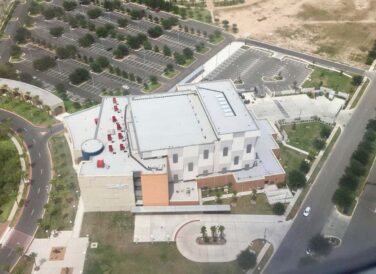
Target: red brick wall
x,y
217,181
277,152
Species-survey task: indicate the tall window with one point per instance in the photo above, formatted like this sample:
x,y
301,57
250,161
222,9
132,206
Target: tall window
x,y
190,166
176,178
236,160
225,151
206,154
249,148
175,158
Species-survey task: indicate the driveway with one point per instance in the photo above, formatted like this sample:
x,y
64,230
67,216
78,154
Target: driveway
x,y
240,231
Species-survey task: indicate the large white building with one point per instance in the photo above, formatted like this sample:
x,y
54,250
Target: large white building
x,y
158,150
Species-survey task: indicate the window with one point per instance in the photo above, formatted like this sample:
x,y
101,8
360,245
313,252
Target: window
x,y
236,160
224,170
225,151
206,154
246,167
190,166
175,158
249,148
176,178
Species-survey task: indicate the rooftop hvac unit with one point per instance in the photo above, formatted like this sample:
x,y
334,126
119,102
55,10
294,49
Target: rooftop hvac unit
x,y
110,148
120,136
100,163
114,100
116,108
114,119
122,147
109,138
118,126
96,121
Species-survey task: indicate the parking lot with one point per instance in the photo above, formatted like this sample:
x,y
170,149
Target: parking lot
x,y
141,63
257,67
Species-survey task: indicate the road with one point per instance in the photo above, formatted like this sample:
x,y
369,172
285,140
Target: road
x,y
319,198
36,139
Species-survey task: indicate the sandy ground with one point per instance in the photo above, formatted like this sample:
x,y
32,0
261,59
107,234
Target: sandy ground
x,y
338,29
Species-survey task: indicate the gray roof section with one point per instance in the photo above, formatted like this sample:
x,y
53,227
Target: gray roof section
x,y
169,121
223,105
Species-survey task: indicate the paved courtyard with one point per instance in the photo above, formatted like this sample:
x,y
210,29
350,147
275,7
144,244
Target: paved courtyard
x,y
295,106
240,231
73,256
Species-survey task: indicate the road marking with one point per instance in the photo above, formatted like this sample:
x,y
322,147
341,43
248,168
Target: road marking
x,y
39,155
34,141
38,190
25,129
41,171
32,212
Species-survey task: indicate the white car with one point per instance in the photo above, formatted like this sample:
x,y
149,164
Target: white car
x,y
306,211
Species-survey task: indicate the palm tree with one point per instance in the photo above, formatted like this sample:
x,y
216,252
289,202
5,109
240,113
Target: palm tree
x,y
33,257
203,232
213,230
221,230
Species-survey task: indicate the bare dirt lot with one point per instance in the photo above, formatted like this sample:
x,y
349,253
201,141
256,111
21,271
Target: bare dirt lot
x,y
339,29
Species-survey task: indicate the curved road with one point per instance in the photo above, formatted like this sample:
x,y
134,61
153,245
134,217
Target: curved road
x,y
36,139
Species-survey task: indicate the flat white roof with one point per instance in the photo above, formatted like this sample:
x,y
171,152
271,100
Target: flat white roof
x,y
170,120
224,106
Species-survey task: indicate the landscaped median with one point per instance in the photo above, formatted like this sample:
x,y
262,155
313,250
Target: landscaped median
x,y
352,182
63,199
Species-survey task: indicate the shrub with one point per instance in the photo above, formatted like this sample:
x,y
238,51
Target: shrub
x,y
86,41
325,132
319,144
155,31
56,31
246,259
349,181
357,80
69,5
296,179
22,35
94,13
168,23
343,198
304,166
122,22
79,76
279,209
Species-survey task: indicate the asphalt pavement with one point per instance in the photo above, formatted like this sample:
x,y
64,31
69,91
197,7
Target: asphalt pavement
x,y
319,198
37,141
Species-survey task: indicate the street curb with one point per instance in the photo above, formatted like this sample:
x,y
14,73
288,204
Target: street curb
x,y
23,118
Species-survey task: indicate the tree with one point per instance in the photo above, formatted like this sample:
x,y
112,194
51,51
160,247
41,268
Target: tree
x,y
95,67
225,24
7,71
94,13
356,168
221,230
296,179
153,79
179,58
103,61
203,232
279,209
69,5
86,41
66,52
61,91
56,31
168,23
33,257
137,14
213,230
15,51
246,259
320,245
121,51
166,50
101,32
147,45
122,22
156,48
343,198
304,166
357,80
319,144
188,53
79,76
325,132
44,63
349,181
155,32
22,35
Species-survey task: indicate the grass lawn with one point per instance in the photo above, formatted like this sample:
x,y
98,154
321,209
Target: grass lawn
x,y
243,205
151,87
217,39
10,172
203,50
170,74
290,159
264,260
24,266
304,134
360,94
26,110
330,79
200,14
60,210
189,62
116,253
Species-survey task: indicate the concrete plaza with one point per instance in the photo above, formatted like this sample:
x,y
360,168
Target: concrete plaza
x,y
240,231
